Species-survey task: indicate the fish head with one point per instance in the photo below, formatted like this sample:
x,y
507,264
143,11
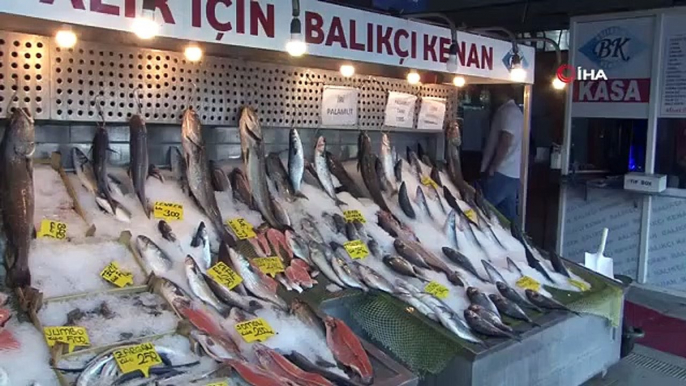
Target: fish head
x,y
532,294
472,291
501,286
385,141
495,298
364,143
190,263
330,322
250,122
320,146
22,135
469,314
294,139
191,127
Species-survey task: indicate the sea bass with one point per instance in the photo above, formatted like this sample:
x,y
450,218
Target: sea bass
x,y
404,267
296,160
202,240
387,160
198,284
373,279
546,302
366,162
318,254
347,349
322,169
479,298
118,211
138,149
254,279
154,258
430,259
509,308
198,172
384,183
483,327
420,199
490,317
463,261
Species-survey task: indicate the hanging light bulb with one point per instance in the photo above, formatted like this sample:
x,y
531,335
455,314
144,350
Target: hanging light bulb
x,y
413,77
558,84
347,70
517,72
145,26
193,53
459,81
451,66
296,46
65,37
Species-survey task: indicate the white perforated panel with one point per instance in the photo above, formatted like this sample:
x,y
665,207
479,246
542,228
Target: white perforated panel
x,y
24,73
107,75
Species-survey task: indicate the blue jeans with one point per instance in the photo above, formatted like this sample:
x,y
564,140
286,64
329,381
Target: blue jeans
x,y
502,192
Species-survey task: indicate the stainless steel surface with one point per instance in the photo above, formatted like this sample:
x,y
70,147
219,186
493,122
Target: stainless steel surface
x,y
284,96
644,366
524,175
25,68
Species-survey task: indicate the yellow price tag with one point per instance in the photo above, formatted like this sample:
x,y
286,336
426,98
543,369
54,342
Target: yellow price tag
x,y
114,275
168,211
242,228
528,283
353,215
269,265
471,214
357,249
224,275
69,335
255,330
427,181
52,229
580,285
437,289
137,358
222,383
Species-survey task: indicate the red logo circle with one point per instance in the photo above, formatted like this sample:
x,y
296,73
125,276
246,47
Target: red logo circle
x,y
565,73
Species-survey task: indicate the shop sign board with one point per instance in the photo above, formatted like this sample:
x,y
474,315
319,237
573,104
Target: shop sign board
x,y
330,30
618,54
339,106
400,110
431,114
674,67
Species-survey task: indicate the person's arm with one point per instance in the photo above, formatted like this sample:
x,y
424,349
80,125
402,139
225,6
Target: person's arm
x,y
504,142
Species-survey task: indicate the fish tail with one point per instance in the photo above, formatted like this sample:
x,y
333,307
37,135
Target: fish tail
x,y
339,202
454,278
301,195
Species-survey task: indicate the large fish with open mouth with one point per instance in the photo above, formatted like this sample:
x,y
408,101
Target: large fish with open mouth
x,y
101,145
249,123
16,196
138,149
323,173
198,172
366,163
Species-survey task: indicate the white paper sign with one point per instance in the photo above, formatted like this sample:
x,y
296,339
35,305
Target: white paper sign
x,y
674,67
431,114
339,106
400,110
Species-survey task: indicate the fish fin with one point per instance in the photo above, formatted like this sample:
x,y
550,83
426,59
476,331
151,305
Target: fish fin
x,y
339,202
323,363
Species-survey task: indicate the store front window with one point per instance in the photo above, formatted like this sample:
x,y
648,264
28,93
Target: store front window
x,y
670,151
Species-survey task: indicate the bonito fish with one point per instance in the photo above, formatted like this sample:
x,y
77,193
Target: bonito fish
x,y
322,169
198,172
101,145
16,196
138,149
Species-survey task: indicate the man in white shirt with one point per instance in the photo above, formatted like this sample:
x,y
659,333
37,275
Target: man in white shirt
x,y
502,155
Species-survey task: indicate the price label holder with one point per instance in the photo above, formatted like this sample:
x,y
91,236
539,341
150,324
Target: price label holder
x,y
221,383
137,358
255,330
69,335
580,285
52,229
353,215
525,282
168,211
269,265
224,275
427,181
437,289
116,276
242,228
357,249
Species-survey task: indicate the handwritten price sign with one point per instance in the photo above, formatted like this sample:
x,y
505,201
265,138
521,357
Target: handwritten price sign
x,y
53,229
116,276
427,181
528,283
437,289
137,358
224,275
168,211
242,228
357,249
255,330
269,265
353,215
72,336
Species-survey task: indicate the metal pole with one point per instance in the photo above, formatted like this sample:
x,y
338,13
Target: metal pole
x,y
566,145
653,111
524,175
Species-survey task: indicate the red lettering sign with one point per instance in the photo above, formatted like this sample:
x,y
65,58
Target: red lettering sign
x,y
612,91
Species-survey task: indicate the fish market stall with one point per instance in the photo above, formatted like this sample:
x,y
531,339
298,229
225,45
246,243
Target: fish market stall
x,y
240,216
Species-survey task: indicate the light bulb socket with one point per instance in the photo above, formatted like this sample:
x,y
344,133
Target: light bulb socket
x,y
516,61
148,5
296,26
453,48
